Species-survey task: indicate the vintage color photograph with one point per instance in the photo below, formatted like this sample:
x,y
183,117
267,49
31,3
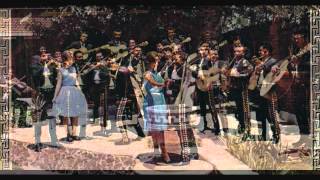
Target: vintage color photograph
x,y
141,89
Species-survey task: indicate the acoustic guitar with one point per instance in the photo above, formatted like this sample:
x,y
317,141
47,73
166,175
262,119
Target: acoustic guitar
x,y
211,75
272,78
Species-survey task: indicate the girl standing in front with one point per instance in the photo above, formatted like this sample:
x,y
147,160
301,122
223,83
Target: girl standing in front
x,y
69,101
154,106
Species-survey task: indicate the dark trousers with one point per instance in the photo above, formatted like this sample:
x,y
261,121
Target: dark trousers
x,y
240,96
175,88
99,94
267,111
301,95
96,91
48,96
205,100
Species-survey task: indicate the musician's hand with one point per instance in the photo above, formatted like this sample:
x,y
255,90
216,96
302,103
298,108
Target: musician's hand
x,y
275,69
209,87
54,100
201,75
223,70
258,68
294,59
130,68
234,73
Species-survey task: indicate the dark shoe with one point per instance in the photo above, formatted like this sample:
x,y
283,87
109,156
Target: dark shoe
x,y
203,131
139,131
194,156
76,138
37,148
216,132
69,139
275,139
246,137
225,130
241,130
166,159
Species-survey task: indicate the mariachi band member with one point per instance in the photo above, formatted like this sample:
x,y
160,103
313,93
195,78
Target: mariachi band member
x,y
207,38
174,39
171,37
82,43
215,91
240,70
99,80
125,92
69,101
301,85
203,63
164,62
116,39
45,76
81,65
173,87
300,67
267,105
57,57
175,72
44,73
132,45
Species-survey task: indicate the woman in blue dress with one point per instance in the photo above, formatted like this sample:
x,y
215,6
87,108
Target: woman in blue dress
x,y
154,106
69,101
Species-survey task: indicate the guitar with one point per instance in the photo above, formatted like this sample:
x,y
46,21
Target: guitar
x,y
221,44
211,75
255,75
143,44
272,78
117,49
188,39
113,49
85,51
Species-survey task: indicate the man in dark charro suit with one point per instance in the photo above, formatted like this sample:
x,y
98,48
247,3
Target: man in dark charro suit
x,y
267,106
203,63
239,78
300,68
82,43
98,80
133,64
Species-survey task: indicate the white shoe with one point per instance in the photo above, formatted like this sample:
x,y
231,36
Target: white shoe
x,y
106,133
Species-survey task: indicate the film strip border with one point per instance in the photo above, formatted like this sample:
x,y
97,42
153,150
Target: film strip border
x,y
315,79
5,71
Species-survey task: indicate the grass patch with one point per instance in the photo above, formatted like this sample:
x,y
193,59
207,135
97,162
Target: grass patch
x,y
265,157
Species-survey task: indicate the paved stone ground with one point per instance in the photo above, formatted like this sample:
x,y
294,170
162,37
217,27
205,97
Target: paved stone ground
x,y
100,152
54,159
